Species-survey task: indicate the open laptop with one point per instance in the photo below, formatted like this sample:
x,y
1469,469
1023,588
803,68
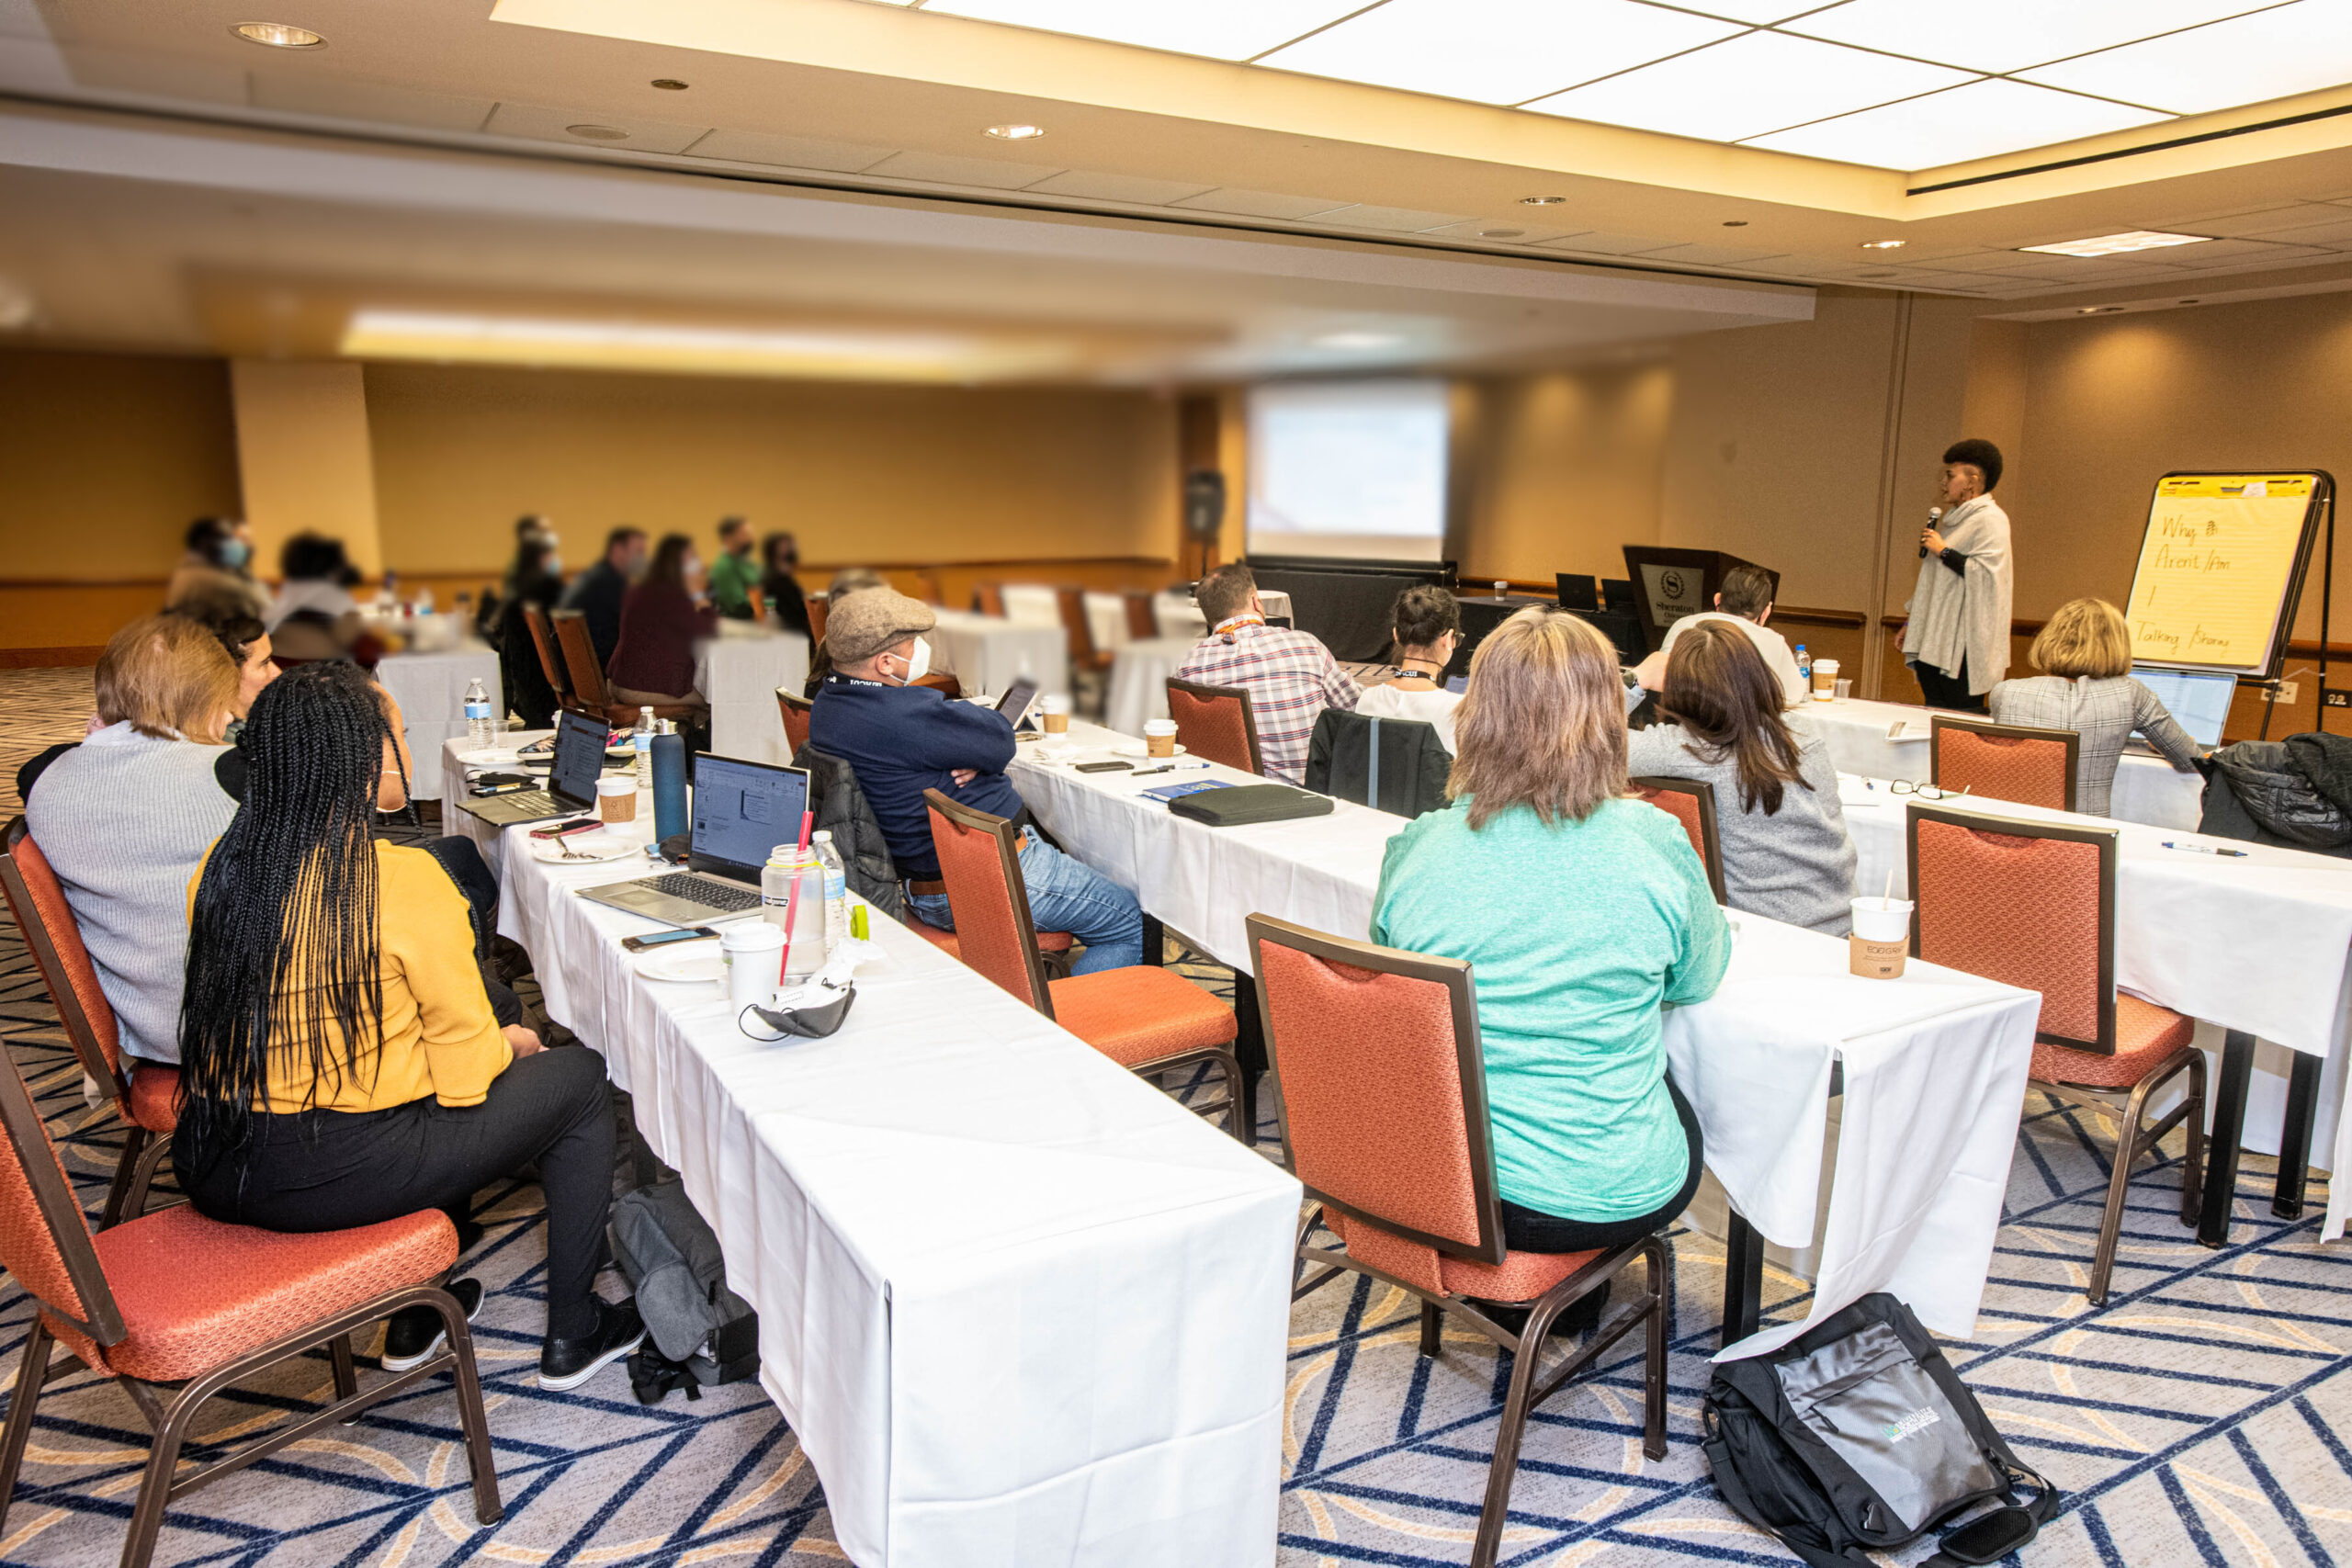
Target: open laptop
x,y
1015,705
741,810
571,783
2197,700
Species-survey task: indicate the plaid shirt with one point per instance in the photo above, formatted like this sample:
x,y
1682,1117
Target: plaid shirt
x,y
1291,678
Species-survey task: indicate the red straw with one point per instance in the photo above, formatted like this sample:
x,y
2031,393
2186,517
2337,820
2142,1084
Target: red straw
x,y
792,899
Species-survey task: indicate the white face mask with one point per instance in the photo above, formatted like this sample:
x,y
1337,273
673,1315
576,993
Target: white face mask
x,y
918,662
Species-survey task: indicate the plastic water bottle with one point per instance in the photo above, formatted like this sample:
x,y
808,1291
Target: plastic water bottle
x,y
836,889
640,740
479,734
1805,667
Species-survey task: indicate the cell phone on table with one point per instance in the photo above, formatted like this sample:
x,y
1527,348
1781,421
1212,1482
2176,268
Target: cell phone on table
x,y
565,829
664,939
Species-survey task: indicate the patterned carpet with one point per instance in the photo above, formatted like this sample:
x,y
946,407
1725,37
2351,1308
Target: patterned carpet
x,y
2205,1415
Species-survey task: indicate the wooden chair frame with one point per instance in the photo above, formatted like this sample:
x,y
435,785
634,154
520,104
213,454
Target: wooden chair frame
x,y
1647,1310
1941,722
987,599
1083,654
1711,843
172,1412
1195,689
1142,619
788,703
594,692
551,660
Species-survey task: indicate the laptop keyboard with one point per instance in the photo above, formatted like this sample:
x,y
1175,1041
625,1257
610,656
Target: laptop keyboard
x,y
701,890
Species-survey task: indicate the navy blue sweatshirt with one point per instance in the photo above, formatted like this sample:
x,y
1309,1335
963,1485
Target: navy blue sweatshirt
x,y
905,740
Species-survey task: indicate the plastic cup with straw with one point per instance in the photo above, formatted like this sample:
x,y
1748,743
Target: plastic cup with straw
x,y
792,899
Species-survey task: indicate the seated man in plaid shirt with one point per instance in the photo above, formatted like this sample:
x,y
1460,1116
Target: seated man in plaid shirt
x,y
1291,677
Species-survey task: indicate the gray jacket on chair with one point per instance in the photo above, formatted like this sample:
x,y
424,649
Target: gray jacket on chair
x,y
842,811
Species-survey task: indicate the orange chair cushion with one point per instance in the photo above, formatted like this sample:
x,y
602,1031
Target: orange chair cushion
x,y
154,1097
194,1293
1140,1014
1519,1277
2146,1034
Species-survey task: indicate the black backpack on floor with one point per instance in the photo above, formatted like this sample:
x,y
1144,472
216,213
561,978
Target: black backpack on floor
x,y
1857,1436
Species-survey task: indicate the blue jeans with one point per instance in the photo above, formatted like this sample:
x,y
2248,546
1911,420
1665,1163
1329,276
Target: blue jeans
x,y
1065,895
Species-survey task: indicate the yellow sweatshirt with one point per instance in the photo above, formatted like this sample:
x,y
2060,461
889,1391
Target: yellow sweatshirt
x,y
440,1037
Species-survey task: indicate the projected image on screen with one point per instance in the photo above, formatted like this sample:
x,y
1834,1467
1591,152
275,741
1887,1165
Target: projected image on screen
x,y
1354,470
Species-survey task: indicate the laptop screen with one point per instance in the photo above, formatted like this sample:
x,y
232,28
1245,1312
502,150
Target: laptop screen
x,y
2197,700
742,811
578,758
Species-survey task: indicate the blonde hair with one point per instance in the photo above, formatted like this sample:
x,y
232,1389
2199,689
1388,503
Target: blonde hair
x,y
168,677
1542,724
2086,636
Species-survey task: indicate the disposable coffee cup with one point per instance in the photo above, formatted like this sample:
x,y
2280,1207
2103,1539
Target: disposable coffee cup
x,y
616,799
752,953
1160,737
1824,680
1055,712
1880,939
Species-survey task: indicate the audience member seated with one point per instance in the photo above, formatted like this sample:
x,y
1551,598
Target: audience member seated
x,y
903,739
314,616
2084,652
597,592
779,591
1583,912
849,580
1786,853
1291,677
1745,605
126,816
537,584
735,575
215,577
1428,628
340,1065
245,641
661,619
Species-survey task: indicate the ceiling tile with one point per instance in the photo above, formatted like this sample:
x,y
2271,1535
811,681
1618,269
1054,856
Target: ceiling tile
x,y
1502,231
1983,119
1755,83
1708,255
2333,234
2233,252
344,99
941,168
788,152
1120,187
2238,223
2289,48
2005,35
1226,30
1394,220
541,123
1607,244
2062,269
1260,203
1495,52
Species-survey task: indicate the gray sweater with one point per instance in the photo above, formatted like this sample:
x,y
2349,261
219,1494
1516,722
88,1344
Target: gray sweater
x,y
1795,865
125,819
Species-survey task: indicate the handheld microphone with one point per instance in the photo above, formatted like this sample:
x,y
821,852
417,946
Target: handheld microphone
x,y
1935,515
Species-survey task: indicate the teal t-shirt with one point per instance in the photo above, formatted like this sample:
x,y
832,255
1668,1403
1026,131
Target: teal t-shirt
x,y
1576,935
732,577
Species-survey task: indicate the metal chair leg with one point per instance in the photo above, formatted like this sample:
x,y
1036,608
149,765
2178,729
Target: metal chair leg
x,y
346,1376
2119,1185
1433,1327
134,1143
155,1482
1512,1429
32,1373
1653,1353
2193,1165
488,1507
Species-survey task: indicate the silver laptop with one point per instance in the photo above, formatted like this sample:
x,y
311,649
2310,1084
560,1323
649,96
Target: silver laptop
x,y
741,810
2199,700
571,783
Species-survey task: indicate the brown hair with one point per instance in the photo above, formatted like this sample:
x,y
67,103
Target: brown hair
x,y
2086,636
1747,591
1719,688
1423,613
669,564
1542,724
1225,593
170,678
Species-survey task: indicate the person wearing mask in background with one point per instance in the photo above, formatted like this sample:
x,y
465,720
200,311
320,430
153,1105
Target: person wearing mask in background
x,y
779,591
536,585
1956,642
2084,652
735,575
530,525
1744,604
1787,855
597,592
216,574
848,581
903,738
1428,628
1291,677
314,616
653,663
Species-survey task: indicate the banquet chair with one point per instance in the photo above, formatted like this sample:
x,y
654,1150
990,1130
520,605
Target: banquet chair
x,y
594,693
2032,905
793,707
1215,724
942,682
1146,1019
816,620
1690,802
550,659
1085,657
2002,761
172,1297
1143,621
145,1093
987,599
1383,1101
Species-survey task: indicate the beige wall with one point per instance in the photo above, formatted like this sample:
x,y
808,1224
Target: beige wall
x,y
302,447
1564,470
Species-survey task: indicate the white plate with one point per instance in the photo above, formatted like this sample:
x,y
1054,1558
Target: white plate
x,y
1140,749
599,845
690,963
493,758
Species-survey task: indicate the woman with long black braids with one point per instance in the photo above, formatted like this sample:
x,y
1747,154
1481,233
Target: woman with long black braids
x,y
340,1063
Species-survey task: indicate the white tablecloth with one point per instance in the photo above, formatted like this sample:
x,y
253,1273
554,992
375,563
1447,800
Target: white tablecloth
x,y
1018,1306
1936,1061
1139,674
431,690
988,653
2147,789
738,673
1033,604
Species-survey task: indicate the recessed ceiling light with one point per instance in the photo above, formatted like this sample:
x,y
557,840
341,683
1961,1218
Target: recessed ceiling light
x,y
598,132
1541,200
1502,233
2118,244
1016,132
1883,245
668,83
1355,339
278,35
2099,310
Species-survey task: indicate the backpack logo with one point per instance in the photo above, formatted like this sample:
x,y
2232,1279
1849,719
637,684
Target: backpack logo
x,y
1919,1420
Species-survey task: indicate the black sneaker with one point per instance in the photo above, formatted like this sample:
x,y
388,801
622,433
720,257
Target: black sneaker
x,y
417,1335
568,1363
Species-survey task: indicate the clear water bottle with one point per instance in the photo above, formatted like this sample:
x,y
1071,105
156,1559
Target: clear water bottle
x,y
836,889
480,733
640,740
803,922
1805,667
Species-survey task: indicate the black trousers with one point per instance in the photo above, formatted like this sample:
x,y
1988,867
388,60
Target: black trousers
x,y
323,1170
461,858
1527,1230
1942,691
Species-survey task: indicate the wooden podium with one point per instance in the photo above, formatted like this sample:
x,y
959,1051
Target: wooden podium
x,y
1669,584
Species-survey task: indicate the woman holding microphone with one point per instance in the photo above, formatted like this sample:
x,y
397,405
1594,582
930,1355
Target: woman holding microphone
x,y
1958,640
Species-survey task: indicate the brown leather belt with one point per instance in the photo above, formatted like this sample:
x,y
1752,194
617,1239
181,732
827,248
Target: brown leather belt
x,y
935,889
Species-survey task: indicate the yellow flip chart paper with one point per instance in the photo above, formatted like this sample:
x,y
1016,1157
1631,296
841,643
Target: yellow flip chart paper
x,y
2215,566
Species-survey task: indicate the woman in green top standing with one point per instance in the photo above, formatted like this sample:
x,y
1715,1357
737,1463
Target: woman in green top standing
x,y
1583,913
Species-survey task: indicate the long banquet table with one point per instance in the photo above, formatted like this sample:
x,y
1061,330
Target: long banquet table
x,y
1934,1065
431,690
1018,1304
738,672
